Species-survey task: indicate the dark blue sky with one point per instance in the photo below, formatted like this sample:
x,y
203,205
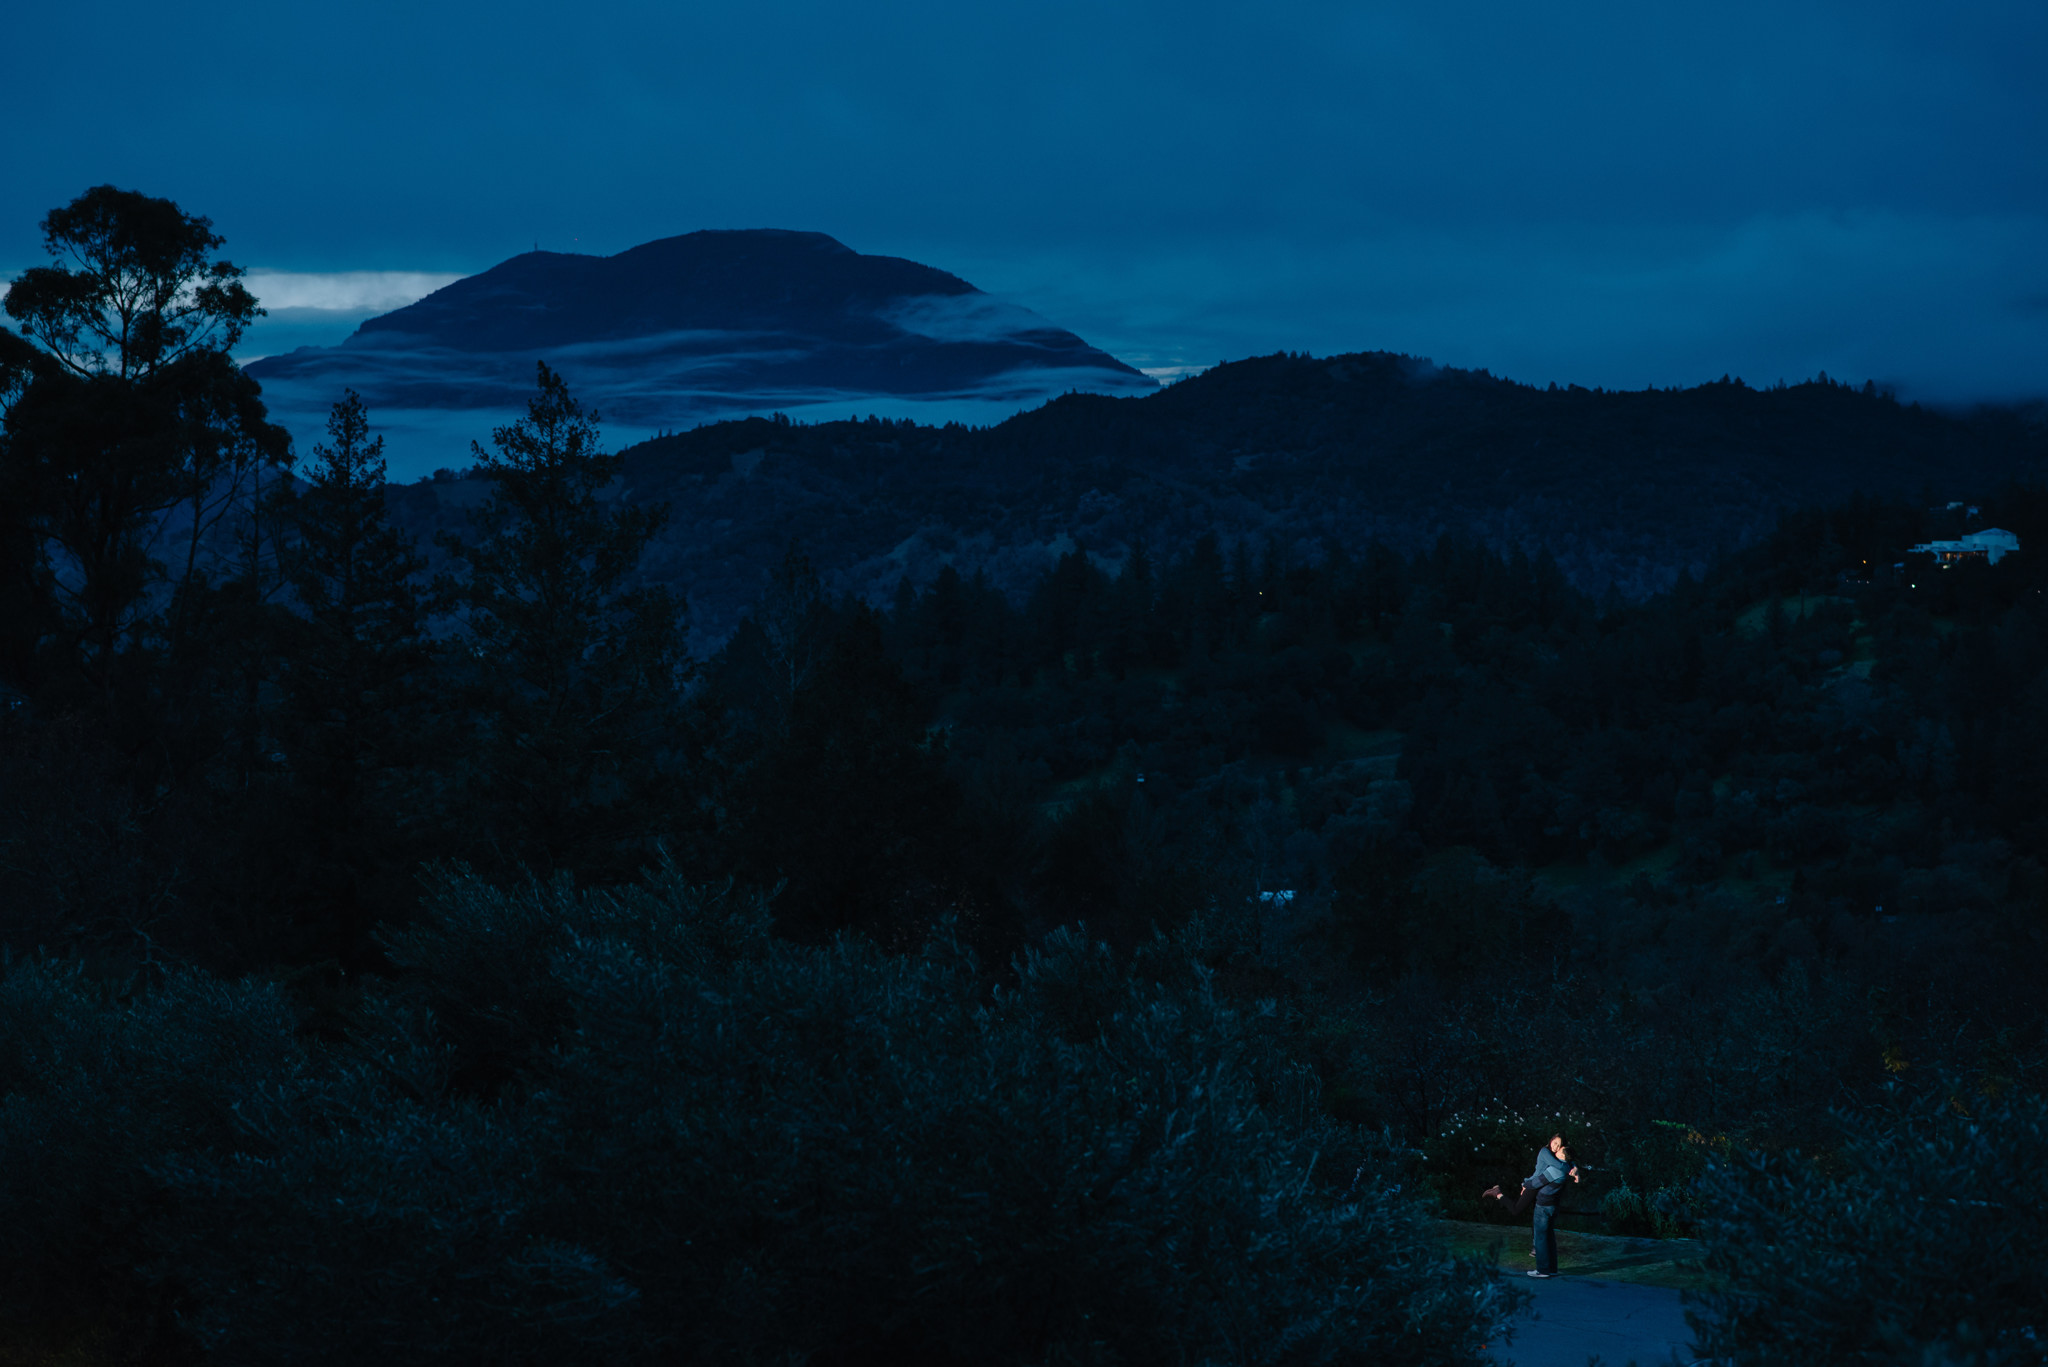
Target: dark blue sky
x,y
1609,194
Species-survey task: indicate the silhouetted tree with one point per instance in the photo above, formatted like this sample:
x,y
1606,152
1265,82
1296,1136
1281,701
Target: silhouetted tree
x,y
134,409
355,656
575,671
356,726
850,804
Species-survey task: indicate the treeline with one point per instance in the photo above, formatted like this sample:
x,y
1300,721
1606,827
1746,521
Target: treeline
x,y
1623,489
240,714
1717,863
1119,971
1857,740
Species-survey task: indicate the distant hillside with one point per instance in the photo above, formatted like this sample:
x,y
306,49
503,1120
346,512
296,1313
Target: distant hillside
x,y
676,331
1624,489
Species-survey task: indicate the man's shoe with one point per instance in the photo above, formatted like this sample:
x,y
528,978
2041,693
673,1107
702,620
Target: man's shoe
x,y
1543,1275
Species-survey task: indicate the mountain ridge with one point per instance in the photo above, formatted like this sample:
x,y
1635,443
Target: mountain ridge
x,y
1625,489
693,280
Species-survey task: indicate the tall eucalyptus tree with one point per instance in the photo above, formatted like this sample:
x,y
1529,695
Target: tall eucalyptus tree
x,y
132,409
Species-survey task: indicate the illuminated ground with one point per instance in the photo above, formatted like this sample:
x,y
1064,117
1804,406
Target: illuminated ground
x,y
1617,1300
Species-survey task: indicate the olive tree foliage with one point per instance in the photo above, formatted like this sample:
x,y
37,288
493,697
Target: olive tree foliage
x,y
131,408
142,1125
98,1081
628,1125
795,1150
1913,1244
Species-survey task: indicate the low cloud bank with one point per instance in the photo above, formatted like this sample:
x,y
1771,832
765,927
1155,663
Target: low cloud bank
x,y
364,292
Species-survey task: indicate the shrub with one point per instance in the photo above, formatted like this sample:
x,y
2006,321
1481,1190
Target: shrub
x,y
1912,1245
688,1141
389,1231
97,1082
1667,1213
1626,1212
830,1148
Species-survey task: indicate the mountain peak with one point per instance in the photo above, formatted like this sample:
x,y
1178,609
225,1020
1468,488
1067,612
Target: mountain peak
x,y
702,325
721,280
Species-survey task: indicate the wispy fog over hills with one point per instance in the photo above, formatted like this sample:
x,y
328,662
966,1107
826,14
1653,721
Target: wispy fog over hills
x,y
686,330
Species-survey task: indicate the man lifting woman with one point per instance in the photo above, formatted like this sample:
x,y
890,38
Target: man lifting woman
x,y
1544,1186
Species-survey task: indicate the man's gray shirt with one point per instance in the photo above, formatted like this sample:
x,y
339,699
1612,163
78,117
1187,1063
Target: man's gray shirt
x,y
1549,1178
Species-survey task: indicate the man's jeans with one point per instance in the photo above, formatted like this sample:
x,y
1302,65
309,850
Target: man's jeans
x,y
1546,1238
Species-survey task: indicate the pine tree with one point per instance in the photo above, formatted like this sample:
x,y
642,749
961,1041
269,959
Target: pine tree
x,y
575,672
354,679
354,729
850,805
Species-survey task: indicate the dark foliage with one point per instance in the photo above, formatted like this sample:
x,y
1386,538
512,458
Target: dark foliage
x,y
709,1145
1912,1243
135,410
355,721
576,674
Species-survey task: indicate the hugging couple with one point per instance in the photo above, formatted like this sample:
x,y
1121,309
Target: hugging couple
x,y
1554,1168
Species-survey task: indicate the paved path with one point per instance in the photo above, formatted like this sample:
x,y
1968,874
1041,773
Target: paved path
x,y
1576,1318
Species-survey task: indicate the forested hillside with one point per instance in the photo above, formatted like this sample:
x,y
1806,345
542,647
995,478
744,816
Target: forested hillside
x,y
1622,490
1792,776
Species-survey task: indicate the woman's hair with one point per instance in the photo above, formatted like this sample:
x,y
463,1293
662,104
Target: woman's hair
x,y
1562,1151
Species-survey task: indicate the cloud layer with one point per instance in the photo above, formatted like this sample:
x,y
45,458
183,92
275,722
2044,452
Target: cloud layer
x,y
353,292
1943,310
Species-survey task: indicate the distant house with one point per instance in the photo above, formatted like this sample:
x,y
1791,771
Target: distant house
x,y
1990,545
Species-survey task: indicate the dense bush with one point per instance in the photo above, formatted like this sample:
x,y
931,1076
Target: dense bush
x,y
1652,1083
97,1085
629,1125
1913,1244
1666,1213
